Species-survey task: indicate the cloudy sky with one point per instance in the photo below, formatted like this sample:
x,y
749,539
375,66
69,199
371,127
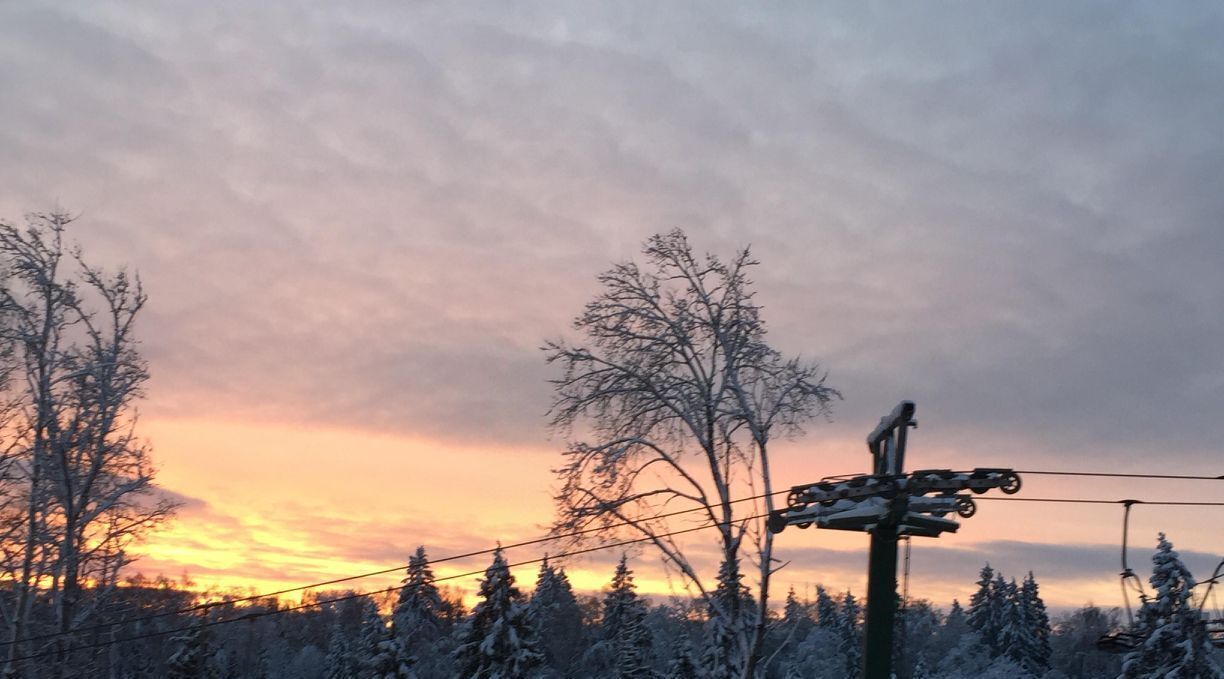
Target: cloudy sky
x,y
357,222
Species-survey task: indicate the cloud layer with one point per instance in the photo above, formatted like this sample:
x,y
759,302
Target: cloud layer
x,y
370,215
373,215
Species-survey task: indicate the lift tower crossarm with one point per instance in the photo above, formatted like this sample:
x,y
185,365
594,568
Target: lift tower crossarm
x,y
887,503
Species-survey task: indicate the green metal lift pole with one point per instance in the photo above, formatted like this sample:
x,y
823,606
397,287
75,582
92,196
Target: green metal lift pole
x,y
889,504
881,603
887,446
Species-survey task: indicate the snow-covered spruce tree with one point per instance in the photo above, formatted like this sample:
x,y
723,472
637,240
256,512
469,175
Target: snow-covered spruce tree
x,y
421,619
673,372
379,653
1013,623
623,628
730,602
1175,643
983,616
558,619
420,611
826,608
1035,655
956,619
850,632
794,613
193,655
961,652
794,627
1000,594
684,662
339,663
954,628
498,641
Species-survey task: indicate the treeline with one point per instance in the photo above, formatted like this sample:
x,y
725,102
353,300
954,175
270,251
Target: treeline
x,y
424,632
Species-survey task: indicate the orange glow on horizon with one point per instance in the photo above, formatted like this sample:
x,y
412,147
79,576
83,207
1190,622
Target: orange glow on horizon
x,y
278,506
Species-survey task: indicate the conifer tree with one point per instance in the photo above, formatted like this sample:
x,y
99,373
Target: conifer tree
x,y
796,622
793,611
379,653
1036,652
730,604
340,663
1175,642
498,641
826,608
420,621
953,630
956,620
850,633
1013,621
420,612
193,657
1000,593
557,617
623,627
684,662
983,615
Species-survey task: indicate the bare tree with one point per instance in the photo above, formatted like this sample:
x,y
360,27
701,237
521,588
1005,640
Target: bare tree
x,y
672,400
84,478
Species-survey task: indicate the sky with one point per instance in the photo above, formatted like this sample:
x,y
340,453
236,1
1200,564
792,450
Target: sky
x,y
358,222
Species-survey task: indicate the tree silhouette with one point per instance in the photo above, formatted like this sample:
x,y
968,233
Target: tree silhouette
x,y
678,396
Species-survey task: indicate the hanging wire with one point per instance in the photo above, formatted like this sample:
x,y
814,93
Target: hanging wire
x,y
385,571
254,615
1128,574
1211,583
1121,475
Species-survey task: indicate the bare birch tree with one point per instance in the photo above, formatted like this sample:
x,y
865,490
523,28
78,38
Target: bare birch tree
x,y
84,478
672,398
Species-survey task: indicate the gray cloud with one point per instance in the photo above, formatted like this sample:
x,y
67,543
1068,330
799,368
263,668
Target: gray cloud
x,y
372,216
1049,562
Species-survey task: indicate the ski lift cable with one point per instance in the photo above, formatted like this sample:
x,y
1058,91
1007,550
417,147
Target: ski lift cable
x,y
535,541
386,571
265,595
251,616
1052,472
1181,477
1103,502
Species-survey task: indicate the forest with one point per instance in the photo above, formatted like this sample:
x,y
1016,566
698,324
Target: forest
x,y
422,630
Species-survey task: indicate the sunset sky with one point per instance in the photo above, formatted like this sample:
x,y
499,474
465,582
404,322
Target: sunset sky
x,y
358,222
